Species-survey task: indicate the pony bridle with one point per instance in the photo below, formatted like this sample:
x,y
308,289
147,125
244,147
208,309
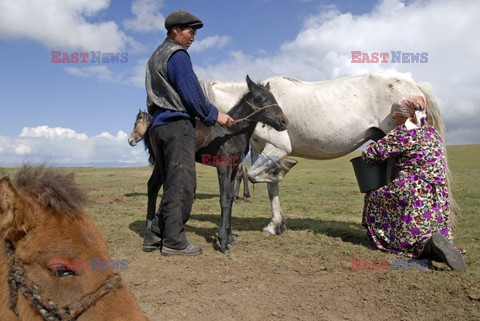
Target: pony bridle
x,y
18,281
256,110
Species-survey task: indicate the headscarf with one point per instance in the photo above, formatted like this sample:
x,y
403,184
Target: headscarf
x,y
408,107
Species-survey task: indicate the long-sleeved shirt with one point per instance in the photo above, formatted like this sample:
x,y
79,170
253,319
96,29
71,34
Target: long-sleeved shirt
x,y
182,77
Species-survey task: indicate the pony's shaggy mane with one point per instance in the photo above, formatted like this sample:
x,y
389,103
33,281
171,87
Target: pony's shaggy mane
x,y
51,189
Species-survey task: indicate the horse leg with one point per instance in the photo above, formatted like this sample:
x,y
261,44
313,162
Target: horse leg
x,y
223,183
238,182
226,201
154,185
152,238
277,224
230,238
246,192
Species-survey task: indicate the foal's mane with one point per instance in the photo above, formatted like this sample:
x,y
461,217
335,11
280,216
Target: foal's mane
x,y
51,189
238,104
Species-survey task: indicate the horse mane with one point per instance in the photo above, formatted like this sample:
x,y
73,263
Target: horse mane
x,y
148,146
207,89
51,189
435,119
294,80
233,111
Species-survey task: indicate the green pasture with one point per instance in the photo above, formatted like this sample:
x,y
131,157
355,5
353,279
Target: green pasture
x,y
314,255
321,201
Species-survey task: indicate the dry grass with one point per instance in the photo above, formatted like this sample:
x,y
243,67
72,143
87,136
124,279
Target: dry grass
x,y
304,274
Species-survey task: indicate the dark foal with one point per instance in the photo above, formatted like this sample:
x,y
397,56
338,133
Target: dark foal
x,y
220,147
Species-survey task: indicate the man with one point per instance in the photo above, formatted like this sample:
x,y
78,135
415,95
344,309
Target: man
x,y
175,98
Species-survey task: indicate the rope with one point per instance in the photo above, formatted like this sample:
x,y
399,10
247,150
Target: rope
x,y
256,110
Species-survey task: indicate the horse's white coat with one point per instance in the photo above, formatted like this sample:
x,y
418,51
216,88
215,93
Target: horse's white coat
x,y
327,119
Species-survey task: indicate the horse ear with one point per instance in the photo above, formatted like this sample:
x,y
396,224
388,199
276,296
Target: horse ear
x,y
71,177
16,216
7,192
251,84
267,86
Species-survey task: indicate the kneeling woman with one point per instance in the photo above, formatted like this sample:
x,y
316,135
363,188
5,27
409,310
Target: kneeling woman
x,y
411,215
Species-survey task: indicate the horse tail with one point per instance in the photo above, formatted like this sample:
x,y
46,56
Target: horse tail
x,y
435,119
150,147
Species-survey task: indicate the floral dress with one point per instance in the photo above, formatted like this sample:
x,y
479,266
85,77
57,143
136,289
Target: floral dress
x,y
403,215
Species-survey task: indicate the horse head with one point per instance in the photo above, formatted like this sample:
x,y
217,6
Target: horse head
x,y
265,108
142,122
54,261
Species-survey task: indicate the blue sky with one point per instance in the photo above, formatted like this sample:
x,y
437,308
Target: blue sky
x,y
81,113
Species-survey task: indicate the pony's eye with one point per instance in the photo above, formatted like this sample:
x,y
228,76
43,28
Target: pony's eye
x,y
60,270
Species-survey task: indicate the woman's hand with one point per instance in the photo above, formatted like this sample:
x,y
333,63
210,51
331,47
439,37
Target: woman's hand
x,y
366,147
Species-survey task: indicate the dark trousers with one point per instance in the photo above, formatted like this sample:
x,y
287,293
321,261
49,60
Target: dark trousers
x,y
176,146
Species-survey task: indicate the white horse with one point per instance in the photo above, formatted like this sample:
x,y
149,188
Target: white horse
x,y
327,119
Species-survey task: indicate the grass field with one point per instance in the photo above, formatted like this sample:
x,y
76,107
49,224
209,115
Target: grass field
x,y
304,274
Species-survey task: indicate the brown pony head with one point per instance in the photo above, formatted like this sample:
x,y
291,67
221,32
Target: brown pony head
x,y
54,262
142,122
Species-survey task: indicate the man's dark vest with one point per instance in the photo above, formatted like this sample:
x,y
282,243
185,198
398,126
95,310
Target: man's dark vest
x,y
160,92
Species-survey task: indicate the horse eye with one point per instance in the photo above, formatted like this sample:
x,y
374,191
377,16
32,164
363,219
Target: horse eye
x,y
60,271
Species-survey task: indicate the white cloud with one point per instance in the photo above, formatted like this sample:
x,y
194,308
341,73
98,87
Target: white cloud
x,y
137,77
216,42
51,133
22,150
134,76
322,50
64,146
147,16
120,137
101,72
62,24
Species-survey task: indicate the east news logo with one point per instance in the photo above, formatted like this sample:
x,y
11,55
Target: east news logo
x,y
359,57
94,57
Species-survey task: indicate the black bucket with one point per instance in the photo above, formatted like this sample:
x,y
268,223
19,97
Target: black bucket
x,y
370,176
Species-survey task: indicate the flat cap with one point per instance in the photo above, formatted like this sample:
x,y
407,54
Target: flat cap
x,y
182,18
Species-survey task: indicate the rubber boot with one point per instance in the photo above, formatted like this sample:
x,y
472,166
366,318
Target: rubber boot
x,y
438,246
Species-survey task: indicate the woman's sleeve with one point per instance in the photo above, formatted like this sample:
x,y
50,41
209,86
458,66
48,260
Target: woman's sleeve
x,y
394,143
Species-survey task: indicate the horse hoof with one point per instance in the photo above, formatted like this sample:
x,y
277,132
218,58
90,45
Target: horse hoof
x,y
280,229
266,233
226,252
